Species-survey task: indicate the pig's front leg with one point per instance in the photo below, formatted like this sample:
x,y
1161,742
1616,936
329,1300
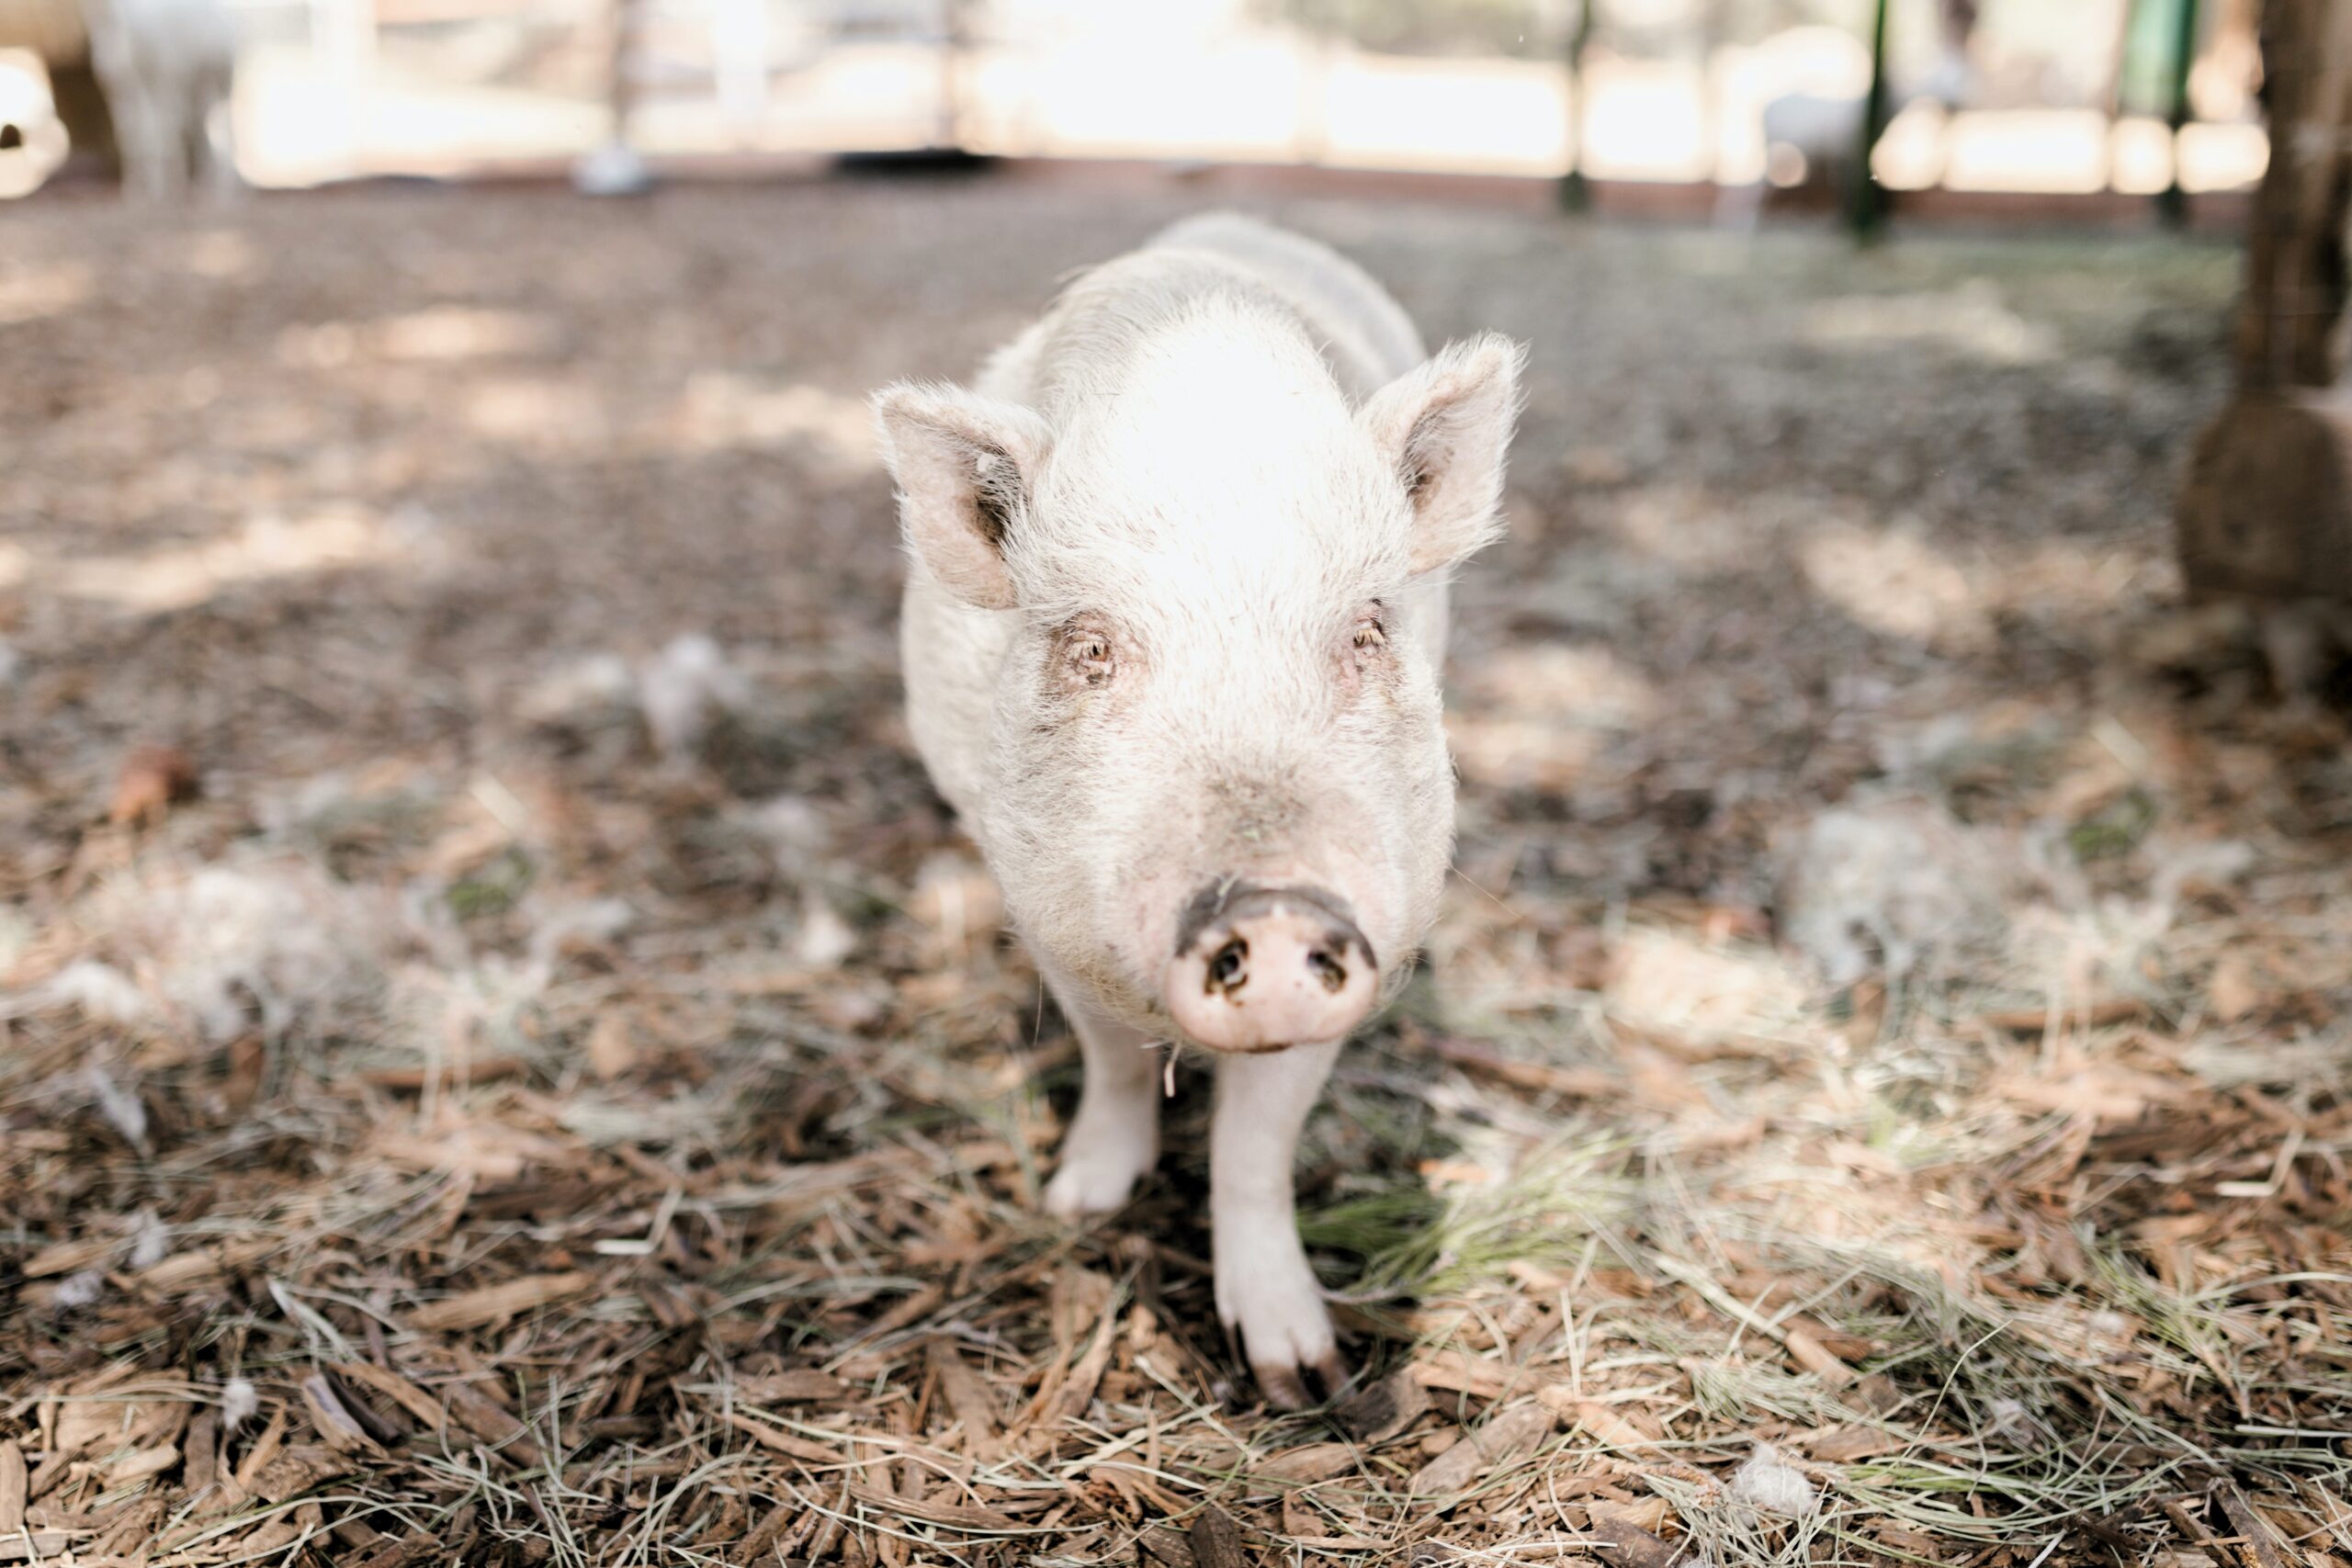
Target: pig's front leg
x,y
1264,1288
1114,1137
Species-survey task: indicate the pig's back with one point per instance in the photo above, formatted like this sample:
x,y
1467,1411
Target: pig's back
x,y
1363,331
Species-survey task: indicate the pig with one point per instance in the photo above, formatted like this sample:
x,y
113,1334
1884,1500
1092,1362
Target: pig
x,y
168,67
1172,631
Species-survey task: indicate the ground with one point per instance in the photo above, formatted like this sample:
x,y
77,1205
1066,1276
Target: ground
x,y
506,1059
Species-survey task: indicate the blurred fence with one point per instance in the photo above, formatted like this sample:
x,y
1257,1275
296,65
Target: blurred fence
x,y
2065,95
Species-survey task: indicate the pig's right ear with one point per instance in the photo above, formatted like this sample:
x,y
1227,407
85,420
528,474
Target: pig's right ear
x,y
965,465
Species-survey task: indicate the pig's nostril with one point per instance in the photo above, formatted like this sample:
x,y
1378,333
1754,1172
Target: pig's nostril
x,y
1325,966
1229,967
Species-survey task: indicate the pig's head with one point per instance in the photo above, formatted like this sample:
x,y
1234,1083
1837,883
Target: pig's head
x,y
1220,792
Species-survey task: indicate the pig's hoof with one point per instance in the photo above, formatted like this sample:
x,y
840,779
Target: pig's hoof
x,y
1092,1183
1286,1335
1286,1388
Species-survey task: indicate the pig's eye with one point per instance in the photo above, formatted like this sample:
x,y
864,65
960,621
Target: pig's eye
x,y
1370,633
1087,656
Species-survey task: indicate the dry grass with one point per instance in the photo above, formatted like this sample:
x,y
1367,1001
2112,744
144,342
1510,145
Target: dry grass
x,y
500,1086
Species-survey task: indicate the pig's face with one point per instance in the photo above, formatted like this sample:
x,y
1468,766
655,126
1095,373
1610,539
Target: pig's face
x,y
1220,789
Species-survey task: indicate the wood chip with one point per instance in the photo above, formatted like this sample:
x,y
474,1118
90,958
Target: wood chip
x,y
264,1451
782,1441
1164,1547
969,1397
1315,1461
1631,1545
2250,1525
296,1471
201,1451
2098,1015
611,1053
12,1486
397,1389
1215,1540
412,1080
1382,1410
151,781
334,1423
491,1421
959,1516
1843,1445
1458,1371
1815,1357
1077,1393
800,1385
72,1257
497,1303
140,1463
1499,1444
1608,1426
201,1268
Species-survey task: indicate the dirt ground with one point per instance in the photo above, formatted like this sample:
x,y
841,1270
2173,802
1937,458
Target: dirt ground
x,y
504,1059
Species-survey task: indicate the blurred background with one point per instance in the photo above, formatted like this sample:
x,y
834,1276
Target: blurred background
x,y
1986,97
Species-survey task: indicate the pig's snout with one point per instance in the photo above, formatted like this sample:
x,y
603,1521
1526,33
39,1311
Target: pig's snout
x,y
1261,968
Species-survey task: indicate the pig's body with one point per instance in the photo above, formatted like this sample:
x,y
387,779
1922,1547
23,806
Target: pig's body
x,y
1171,635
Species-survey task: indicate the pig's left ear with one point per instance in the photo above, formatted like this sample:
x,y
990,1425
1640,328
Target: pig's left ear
x,y
1446,425
965,465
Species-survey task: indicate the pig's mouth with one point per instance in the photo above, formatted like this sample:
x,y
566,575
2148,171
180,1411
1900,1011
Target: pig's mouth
x,y
1259,968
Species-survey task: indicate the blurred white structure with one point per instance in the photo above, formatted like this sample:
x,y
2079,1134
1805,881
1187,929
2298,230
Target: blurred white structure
x,y
169,68
32,142
1810,125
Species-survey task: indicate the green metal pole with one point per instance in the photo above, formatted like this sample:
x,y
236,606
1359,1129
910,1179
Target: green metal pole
x,y
2172,204
1575,191
1865,198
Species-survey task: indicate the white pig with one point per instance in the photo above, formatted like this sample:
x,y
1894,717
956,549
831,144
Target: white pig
x,y
169,67
1171,635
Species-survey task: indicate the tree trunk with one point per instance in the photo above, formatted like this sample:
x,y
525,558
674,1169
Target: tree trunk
x,y
2267,509
90,124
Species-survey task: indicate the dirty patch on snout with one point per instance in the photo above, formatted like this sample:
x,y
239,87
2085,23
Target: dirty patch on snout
x,y
1212,902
